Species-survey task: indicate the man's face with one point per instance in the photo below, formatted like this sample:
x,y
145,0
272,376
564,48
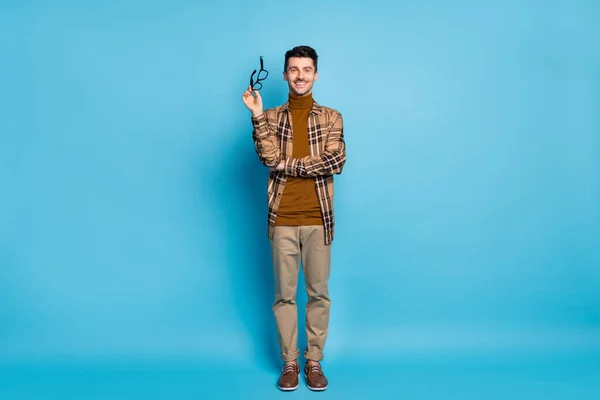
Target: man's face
x,y
300,75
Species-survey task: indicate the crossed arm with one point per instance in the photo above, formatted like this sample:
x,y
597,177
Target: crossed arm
x,y
268,148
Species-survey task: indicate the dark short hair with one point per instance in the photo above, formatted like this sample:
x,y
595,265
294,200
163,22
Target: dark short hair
x,y
301,51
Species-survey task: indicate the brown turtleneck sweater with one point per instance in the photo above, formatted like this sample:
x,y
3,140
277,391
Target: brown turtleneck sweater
x,y
299,203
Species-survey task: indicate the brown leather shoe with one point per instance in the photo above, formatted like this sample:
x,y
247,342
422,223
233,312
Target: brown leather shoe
x,y
315,379
288,380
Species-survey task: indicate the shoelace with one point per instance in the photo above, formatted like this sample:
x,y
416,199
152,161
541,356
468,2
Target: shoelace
x,y
316,368
289,367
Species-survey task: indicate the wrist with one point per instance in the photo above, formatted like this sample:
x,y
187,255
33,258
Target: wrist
x,y
256,114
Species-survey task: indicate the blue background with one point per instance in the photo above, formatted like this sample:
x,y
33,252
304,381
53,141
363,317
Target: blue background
x,y
133,207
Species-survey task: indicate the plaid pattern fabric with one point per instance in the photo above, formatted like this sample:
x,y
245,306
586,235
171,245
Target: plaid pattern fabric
x,y
272,135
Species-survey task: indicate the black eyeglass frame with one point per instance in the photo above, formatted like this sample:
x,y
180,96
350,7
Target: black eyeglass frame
x,y
258,78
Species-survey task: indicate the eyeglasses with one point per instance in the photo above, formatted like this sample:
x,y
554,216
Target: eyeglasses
x,y
258,78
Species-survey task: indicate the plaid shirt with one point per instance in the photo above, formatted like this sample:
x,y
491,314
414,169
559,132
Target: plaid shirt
x,y
273,142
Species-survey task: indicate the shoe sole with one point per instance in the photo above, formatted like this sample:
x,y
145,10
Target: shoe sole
x,y
288,389
315,389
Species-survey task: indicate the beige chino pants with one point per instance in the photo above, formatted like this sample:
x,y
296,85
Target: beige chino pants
x,y
290,246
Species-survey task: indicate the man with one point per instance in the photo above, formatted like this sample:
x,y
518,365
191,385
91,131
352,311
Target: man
x,y
302,143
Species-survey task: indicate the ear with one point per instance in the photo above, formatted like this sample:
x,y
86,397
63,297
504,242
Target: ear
x,y
316,75
285,77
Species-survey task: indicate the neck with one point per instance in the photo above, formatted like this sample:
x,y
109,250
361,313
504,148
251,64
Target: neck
x,y
309,94
301,102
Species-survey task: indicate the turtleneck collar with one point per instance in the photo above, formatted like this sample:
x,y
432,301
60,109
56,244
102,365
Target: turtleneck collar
x,y
300,102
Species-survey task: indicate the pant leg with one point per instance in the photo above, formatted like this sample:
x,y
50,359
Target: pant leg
x,y
316,263
285,249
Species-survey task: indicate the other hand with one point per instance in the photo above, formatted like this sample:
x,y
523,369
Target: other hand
x,y
253,101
